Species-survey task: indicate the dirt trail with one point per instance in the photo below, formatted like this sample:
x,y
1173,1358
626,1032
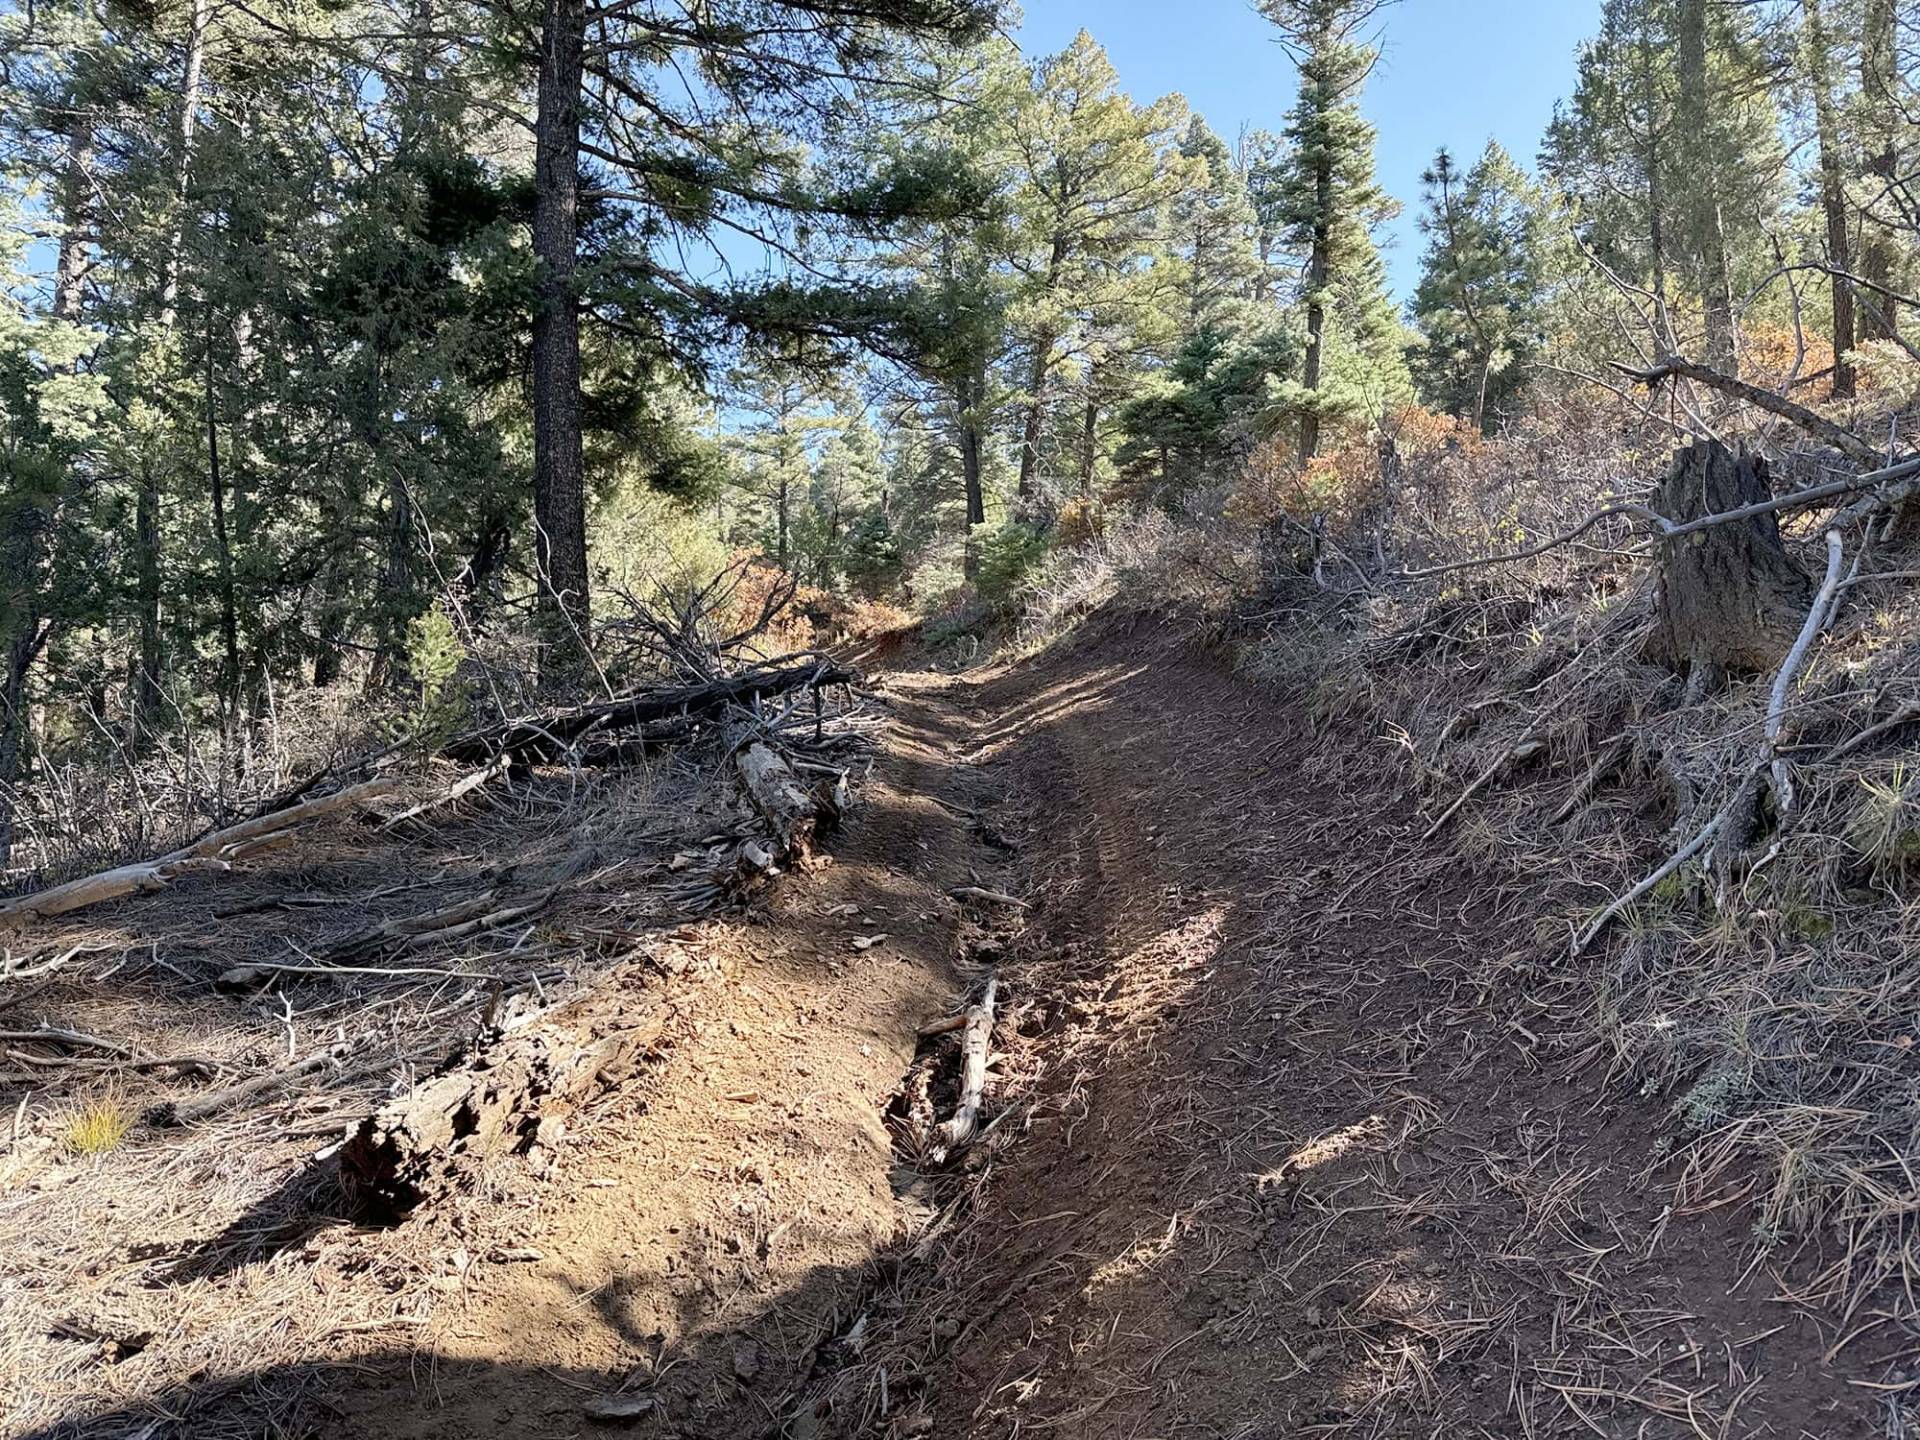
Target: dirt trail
x,y
1292,1138
1301,1156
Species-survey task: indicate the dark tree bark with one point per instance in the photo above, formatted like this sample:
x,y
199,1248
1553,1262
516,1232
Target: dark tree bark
x,y
1035,422
1319,262
150,664
396,589
479,582
1656,189
27,561
223,553
1037,380
1730,600
967,426
1817,48
559,464
1879,81
330,626
1090,432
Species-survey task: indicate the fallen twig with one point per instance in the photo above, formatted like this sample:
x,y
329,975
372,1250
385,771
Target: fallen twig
x,y
988,897
978,1033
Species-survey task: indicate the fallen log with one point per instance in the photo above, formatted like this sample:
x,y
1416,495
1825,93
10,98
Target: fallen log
x,y
497,1097
547,737
790,810
975,1038
214,852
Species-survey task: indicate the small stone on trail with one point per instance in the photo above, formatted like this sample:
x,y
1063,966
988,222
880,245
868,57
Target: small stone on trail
x,y
746,1362
243,980
619,1407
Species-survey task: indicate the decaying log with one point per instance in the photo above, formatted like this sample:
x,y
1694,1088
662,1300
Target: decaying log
x,y
641,743
495,1097
211,852
975,1039
546,737
1730,600
790,810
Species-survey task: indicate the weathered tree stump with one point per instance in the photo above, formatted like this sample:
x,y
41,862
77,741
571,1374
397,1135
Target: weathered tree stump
x,y
1730,599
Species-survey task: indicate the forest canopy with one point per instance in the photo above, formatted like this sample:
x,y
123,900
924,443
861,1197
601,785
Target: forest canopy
x,y
348,344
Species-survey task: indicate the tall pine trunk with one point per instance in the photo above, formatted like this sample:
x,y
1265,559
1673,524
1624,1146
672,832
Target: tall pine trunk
x,y
1035,423
1707,238
1817,54
1318,265
1042,371
1090,431
26,558
1879,82
1651,146
967,426
559,464
150,665
223,555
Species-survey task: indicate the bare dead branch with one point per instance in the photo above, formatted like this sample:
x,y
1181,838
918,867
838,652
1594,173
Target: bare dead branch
x,y
1814,424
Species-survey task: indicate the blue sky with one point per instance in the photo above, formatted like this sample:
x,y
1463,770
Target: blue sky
x,y
1454,72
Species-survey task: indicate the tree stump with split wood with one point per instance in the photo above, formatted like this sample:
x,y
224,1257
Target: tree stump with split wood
x,y
1729,599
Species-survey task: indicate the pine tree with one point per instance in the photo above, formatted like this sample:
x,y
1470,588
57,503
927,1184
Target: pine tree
x,y
1478,304
1887,220
1329,202
1213,230
1262,160
1820,75
683,162
1670,149
1092,183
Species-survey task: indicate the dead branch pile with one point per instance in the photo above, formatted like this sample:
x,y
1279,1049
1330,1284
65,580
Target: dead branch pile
x,y
551,736
216,852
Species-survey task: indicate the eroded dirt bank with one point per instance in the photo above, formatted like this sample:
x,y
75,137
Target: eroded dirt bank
x,y
1292,1136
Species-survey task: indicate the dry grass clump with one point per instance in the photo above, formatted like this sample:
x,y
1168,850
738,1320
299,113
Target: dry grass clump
x,y
99,1125
1199,566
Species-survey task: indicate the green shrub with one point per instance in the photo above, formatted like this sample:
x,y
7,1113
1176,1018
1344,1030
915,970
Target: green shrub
x,y
1006,557
434,656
